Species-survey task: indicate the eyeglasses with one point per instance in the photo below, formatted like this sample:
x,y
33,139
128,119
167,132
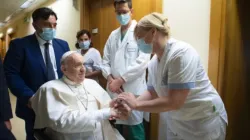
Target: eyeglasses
x,y
121,12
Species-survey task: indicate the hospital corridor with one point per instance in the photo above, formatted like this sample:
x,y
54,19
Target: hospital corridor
x,y
124,70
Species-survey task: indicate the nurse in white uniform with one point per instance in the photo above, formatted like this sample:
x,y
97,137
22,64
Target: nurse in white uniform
x,y
91,56
178,86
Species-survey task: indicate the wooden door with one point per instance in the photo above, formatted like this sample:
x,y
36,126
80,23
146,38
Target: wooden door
x,y
230,62
99,14
144,7
236,72
3,48
102,18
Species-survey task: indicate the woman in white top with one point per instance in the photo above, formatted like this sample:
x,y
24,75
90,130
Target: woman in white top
x,y
178,86
92,57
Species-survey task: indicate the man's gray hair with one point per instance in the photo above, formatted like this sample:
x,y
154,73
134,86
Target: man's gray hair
x,y
65,55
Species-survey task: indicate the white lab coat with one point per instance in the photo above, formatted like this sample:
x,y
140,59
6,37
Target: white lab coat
x,y
123,59
203,115
61,110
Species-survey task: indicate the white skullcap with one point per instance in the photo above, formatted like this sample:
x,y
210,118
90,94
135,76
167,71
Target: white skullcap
x,y
65,55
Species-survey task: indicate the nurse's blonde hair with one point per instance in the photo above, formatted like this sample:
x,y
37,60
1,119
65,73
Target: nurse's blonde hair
x,y
153,20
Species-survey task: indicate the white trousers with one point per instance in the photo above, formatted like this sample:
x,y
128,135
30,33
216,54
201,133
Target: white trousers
x,y
218,134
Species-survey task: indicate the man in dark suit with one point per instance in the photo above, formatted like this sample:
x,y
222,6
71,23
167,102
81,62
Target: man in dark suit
x,y
5,109
32,61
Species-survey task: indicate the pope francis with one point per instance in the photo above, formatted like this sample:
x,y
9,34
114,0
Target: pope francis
x,y
75,108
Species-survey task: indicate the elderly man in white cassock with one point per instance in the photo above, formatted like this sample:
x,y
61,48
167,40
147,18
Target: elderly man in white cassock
x,y
76,108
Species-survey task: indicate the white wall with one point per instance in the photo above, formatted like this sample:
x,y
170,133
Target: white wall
x,y
68,21
189,21
68,25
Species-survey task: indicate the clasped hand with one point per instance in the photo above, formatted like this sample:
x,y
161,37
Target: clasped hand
x,y
115,84
119,110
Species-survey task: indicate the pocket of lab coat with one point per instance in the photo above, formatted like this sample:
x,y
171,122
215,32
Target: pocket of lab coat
x,y
131,50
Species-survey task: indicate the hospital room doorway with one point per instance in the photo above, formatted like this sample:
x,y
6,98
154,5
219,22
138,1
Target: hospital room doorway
x,y
2,47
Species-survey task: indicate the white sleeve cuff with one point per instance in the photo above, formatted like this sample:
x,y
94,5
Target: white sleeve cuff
x,y
106,113
103,114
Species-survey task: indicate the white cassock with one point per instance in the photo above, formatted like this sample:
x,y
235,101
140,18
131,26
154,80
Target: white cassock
x,y
74,112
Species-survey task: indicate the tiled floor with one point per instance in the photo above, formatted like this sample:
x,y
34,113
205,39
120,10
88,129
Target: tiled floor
x,y
17,124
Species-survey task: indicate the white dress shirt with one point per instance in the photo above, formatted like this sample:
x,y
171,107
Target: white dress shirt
x,y
51,53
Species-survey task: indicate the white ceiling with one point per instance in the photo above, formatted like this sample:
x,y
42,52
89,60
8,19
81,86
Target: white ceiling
x,y
8,7
11,8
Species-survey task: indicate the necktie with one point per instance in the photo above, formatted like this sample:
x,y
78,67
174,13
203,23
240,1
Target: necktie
x,y
50,70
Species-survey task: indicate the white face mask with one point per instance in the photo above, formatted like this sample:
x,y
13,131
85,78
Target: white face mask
x,y
123,18
144,47
48,34
84,45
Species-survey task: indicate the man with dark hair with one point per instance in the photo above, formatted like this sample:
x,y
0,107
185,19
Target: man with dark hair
x,y
43,13
118,2
33,60
5,109
124,67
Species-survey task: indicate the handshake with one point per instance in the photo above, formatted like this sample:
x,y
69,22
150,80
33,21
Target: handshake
x,y
122,106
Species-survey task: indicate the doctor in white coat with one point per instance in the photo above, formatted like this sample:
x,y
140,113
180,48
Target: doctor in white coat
x,y
178,86
124,66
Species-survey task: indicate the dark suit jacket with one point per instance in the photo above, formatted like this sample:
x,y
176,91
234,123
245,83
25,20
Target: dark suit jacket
x,y
25,70
5,107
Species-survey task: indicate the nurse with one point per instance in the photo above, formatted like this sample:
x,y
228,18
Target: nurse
x,y
178,86
92,57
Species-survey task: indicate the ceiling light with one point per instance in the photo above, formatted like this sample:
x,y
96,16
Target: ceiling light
x,y
8,18
1,35
27,4
10,30
1,24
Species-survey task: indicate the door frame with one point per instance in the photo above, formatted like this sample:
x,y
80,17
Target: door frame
x,y
216,60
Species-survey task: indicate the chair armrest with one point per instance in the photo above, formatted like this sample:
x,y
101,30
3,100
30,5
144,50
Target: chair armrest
x,y
39,135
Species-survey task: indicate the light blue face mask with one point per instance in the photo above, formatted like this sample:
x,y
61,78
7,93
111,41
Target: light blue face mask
x,y
144,47
123,18
48,34
84,45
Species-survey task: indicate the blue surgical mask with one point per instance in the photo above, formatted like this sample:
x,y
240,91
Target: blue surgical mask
x,y
123,18
48,34
84,45
144,47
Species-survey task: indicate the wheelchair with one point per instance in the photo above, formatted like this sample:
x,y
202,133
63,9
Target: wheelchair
x,y
40,135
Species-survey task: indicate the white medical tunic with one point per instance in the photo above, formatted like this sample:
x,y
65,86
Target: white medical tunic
x,y
203,116
72,111
92,61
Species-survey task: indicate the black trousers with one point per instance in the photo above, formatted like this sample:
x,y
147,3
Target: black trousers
x,y
5,134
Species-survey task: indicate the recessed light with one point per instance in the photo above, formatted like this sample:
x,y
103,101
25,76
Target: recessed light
x,y
1,35
10,30
1,24
8,18
27,4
